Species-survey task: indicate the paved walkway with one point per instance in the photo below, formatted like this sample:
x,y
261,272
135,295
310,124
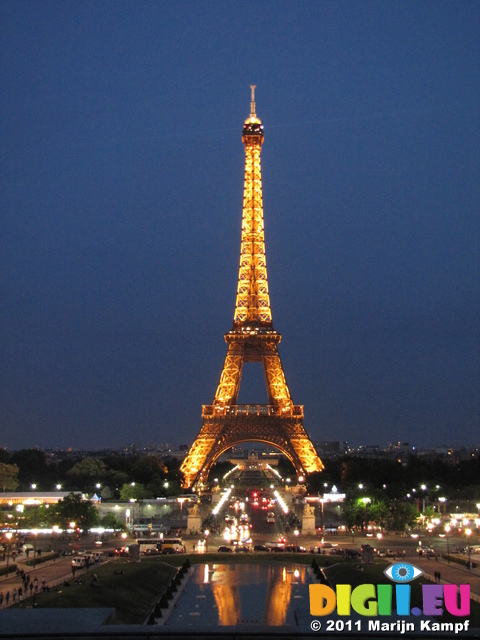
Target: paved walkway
x,y
53,571
452,573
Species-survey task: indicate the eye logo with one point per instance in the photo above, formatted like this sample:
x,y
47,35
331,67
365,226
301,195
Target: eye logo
x,y
402,572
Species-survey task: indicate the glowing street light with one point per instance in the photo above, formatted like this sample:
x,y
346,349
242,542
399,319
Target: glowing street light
x,y
366,502
447,531
468,533
9,537
443,501
430,527
423,487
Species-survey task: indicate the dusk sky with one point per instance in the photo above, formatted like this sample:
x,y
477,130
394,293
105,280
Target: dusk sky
x,y
121,184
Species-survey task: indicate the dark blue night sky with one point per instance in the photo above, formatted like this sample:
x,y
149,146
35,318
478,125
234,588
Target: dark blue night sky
x,y
121,185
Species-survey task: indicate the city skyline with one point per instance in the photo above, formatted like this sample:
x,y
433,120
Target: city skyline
x,y
121,187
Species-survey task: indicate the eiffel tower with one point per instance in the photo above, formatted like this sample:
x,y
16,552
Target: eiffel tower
x,y
226,423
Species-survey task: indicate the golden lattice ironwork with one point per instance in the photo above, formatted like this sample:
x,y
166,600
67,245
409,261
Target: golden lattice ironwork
x,y
252,339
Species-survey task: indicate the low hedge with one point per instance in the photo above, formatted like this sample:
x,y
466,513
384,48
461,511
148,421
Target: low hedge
x,y
45,557
459,560
12,568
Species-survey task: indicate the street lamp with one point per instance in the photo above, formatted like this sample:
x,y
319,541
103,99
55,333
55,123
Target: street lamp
x,y
443,501
322,501
9,537
423,487
429,527
468,533
447,531
366,502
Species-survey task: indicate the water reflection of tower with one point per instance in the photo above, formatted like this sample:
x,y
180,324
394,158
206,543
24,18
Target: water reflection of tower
x,y
279,594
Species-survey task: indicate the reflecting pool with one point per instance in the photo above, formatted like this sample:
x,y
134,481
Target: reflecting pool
x,y
271,595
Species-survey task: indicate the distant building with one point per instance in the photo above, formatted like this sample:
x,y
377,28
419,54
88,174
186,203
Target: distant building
x,y
27,498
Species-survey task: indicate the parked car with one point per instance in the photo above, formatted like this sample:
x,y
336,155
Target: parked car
x,y
295,548
224,549
78,562
260,547
27,548
335,551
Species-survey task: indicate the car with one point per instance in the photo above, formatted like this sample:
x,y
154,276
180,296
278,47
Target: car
x,y
275,545
277,549
26,548
152,552
335,552
78,562
295,548
224,549
381,553
270,520
260,547
458,549
391,553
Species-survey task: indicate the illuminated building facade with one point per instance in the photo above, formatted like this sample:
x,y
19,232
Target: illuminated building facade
x,y
226,423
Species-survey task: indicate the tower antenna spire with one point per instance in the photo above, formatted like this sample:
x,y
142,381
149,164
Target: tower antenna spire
x,y
252,103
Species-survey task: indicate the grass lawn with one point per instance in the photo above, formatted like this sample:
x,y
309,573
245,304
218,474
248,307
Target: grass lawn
x,y
131,588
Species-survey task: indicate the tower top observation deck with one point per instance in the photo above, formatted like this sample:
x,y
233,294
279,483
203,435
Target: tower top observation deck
x,y
253,127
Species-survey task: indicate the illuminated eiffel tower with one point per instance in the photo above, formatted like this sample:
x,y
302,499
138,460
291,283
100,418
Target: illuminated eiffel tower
x,y
252,339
